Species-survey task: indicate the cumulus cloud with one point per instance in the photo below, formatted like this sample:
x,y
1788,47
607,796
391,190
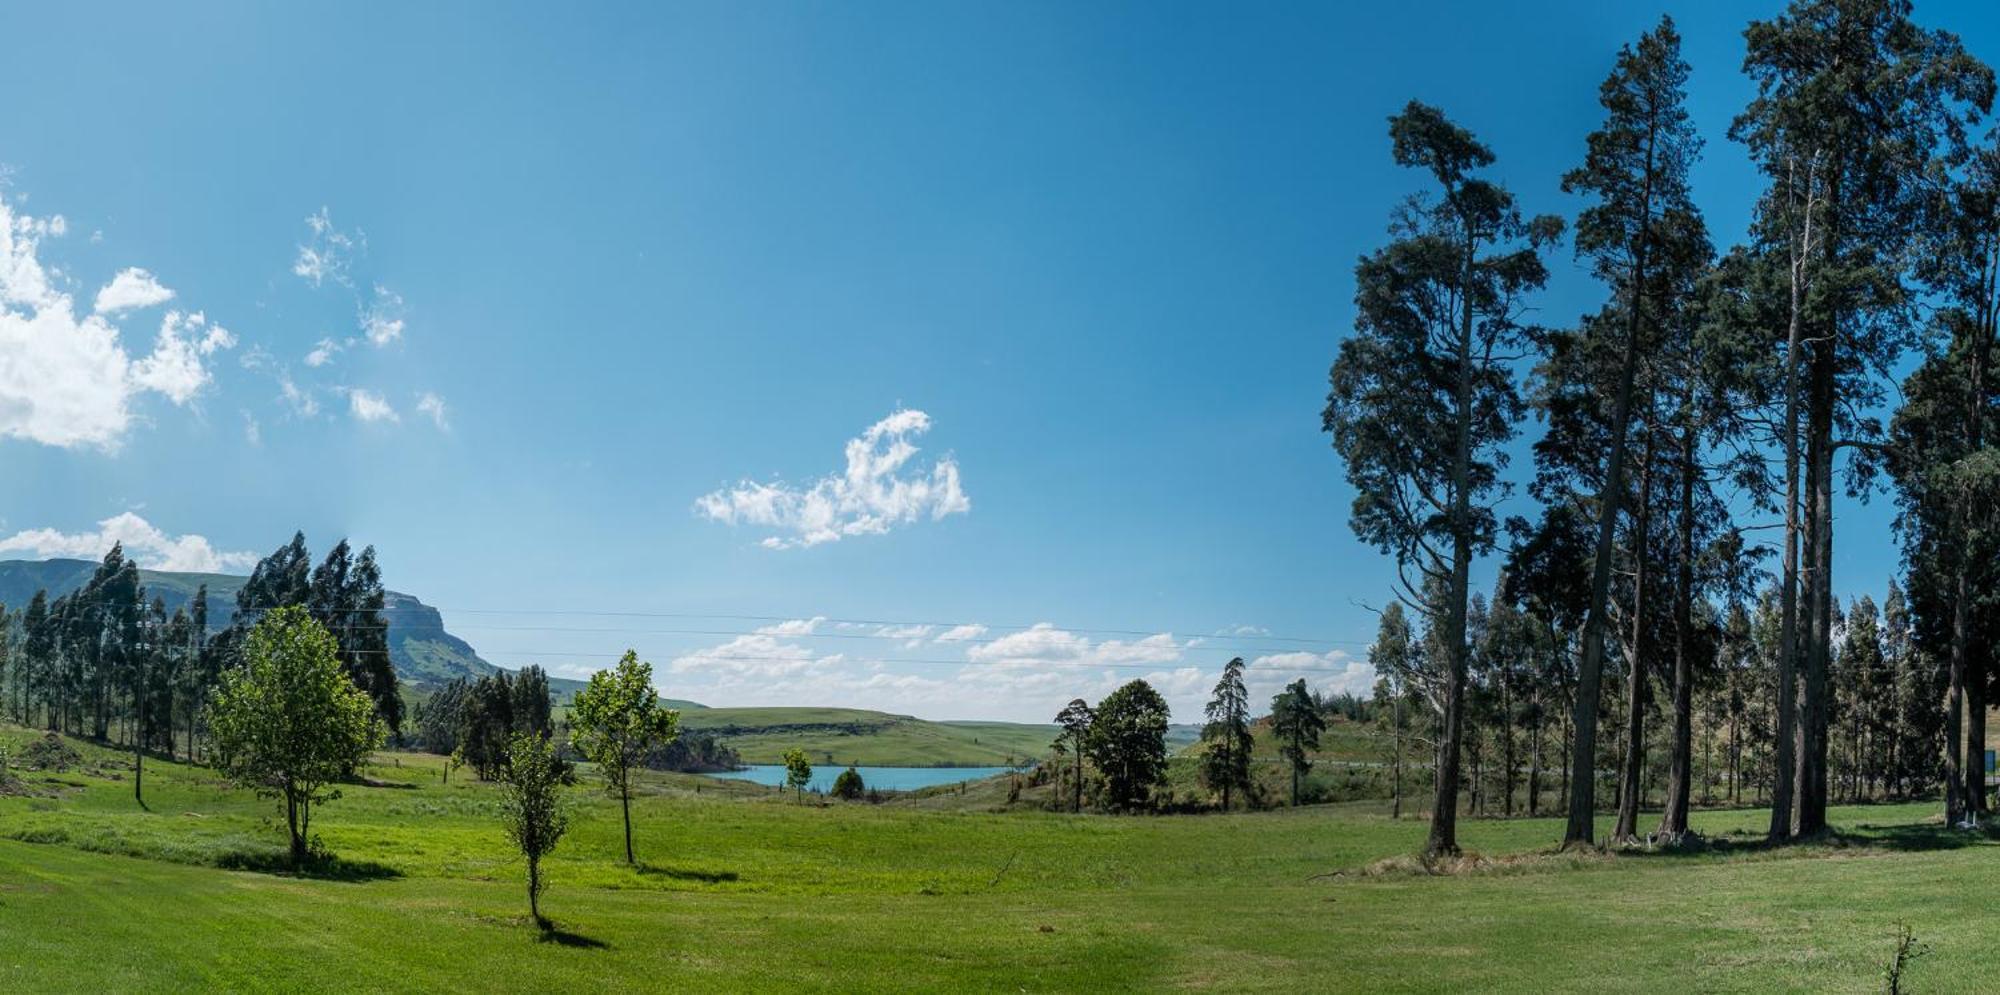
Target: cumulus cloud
x,y
175,368
66,379
144,544
368,406
1333,672
327,251
762,656
1045,645
432,405
874,495
131,290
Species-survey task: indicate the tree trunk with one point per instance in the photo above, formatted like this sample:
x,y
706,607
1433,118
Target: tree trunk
x,y
1443,839
625,806
1535,757
1396,763
1809,793
1975,739
1674,820
1633,768
535,890
1973,667
1506,744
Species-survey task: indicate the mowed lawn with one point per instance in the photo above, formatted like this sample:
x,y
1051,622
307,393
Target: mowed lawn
x,y
741,890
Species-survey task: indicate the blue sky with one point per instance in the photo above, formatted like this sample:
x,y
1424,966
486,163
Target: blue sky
x,y
566,277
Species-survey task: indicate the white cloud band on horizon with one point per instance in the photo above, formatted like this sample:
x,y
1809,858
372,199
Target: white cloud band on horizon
x,y
872,496
1027,675
145,544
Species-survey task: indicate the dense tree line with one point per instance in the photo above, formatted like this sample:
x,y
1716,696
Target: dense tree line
x,y
108,661
1665,628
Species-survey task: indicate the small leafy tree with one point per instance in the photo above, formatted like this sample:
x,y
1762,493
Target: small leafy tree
x,y
1128,742
848,786
1296,719
536,813
616,721
798,771
291,721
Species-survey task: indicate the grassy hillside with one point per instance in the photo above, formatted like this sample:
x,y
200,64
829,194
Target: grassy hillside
x,y
739,890
856,736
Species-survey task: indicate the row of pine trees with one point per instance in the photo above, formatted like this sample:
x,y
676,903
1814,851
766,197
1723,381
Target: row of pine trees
x,y
1693,434
108,661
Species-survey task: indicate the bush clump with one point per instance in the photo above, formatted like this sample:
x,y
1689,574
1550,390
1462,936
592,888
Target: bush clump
x,y
50,753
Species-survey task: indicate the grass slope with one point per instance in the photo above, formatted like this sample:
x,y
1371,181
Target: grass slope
x,y
857,736
739,890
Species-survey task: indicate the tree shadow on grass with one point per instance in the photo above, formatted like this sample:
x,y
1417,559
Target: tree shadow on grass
x,y
1906,838
687,874
551,933
1918,838
318,867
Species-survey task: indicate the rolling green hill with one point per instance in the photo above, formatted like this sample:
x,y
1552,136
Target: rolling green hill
x,y
857,736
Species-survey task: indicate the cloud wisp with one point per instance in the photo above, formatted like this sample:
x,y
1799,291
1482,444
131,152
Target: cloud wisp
x,y
879,490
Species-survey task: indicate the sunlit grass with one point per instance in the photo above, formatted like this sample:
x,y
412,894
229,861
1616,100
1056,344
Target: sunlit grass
x,y
739,888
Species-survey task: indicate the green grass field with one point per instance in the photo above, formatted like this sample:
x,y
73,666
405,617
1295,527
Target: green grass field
x,y
855,736
739,889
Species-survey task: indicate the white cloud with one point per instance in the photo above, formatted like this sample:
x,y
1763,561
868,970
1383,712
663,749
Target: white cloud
x,y
175,368
793,627
433,405
1026,676
872,496
368,406
1333,672
382,321
327,251
760,656
253,433
66,380
961,633
1043,645
144,544
322,353
132,289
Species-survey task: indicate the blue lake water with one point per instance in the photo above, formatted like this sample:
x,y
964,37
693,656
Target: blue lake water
x,y
881,778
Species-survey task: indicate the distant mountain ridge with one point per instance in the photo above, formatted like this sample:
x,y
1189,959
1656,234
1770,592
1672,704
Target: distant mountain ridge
x,y
424,654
